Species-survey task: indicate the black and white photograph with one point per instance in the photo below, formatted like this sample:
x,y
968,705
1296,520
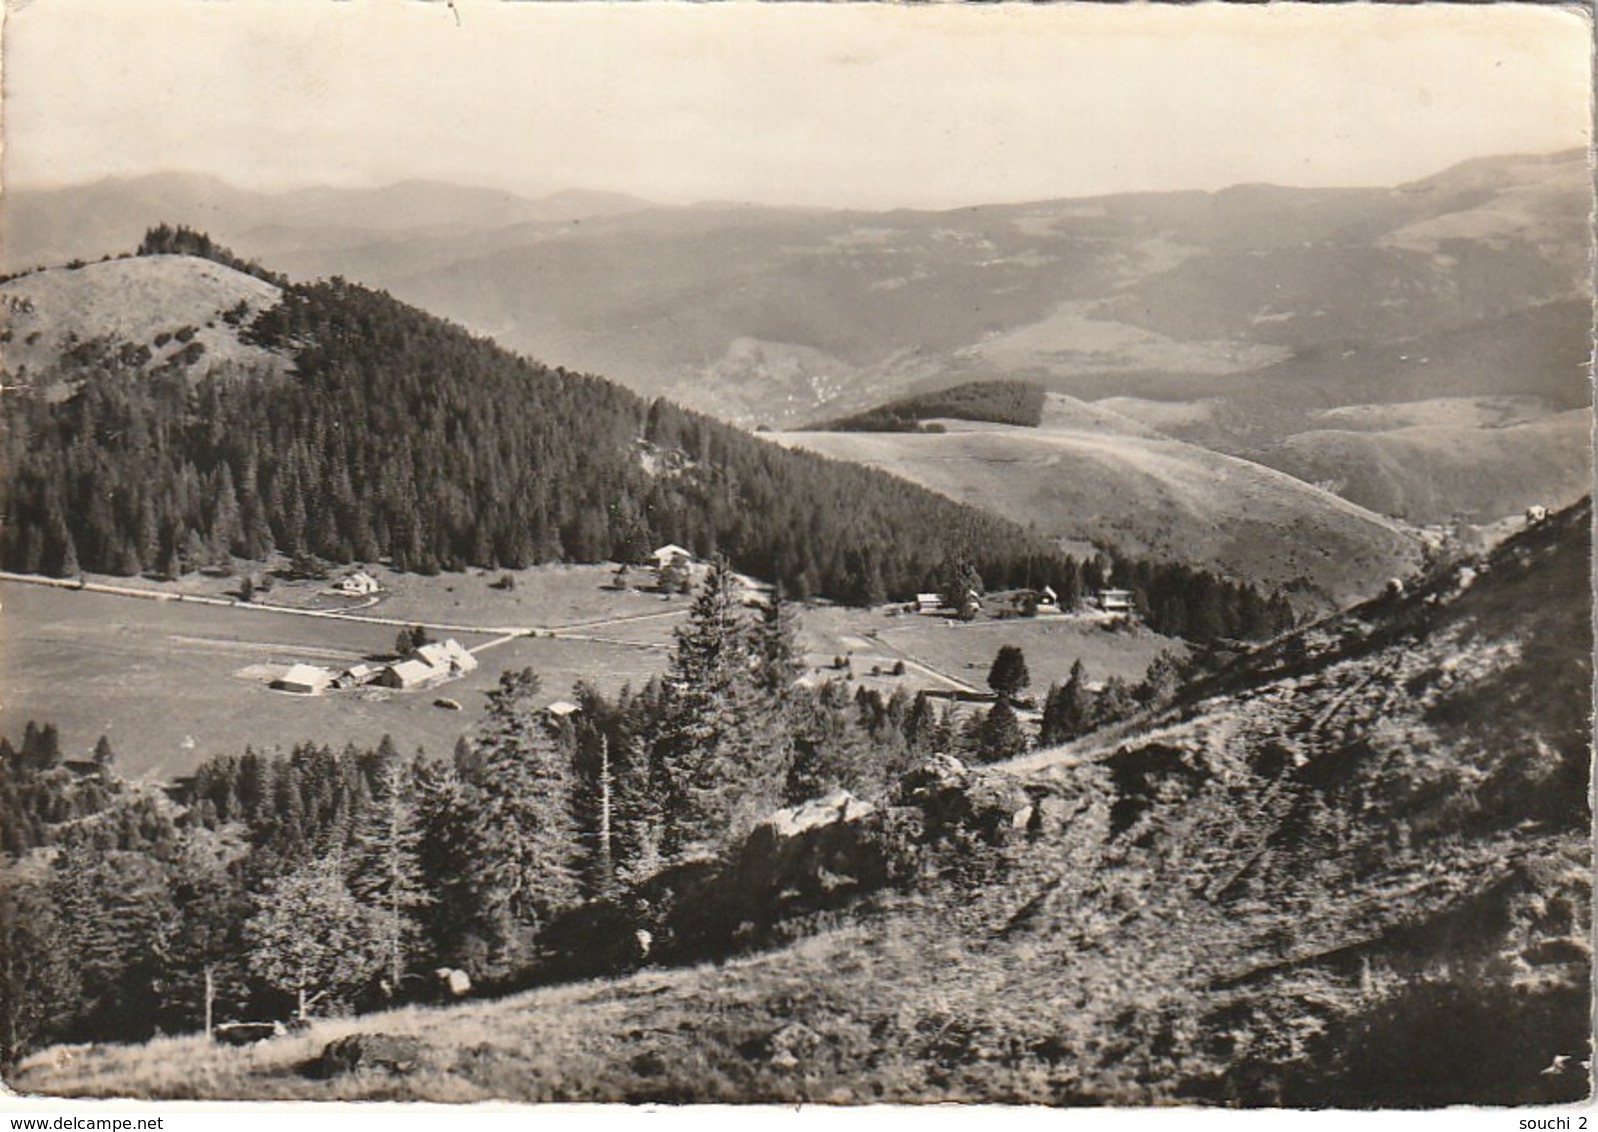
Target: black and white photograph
x,y
796,554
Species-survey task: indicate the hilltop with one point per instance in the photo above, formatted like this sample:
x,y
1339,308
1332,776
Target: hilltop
x,y
146,313
1353,869
1085,474
778,315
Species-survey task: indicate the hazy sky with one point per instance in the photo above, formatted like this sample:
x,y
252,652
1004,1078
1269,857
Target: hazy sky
x,y
869,105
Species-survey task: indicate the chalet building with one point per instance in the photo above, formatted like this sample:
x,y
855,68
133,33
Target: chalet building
x,y
561,709
304,679
671,555
448,656
357,675
1048,599
431,664
358,584
929,603
1115,601
410,674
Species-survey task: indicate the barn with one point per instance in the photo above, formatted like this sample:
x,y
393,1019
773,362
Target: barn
x,y
449,657
304,679
357,675
411,674
670,555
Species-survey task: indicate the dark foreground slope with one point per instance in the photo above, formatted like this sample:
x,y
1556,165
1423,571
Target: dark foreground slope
x,y
1353,871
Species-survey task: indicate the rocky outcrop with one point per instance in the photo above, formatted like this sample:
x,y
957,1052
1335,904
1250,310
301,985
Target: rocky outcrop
x,y
400,1054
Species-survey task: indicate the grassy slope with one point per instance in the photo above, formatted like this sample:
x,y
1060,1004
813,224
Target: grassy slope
x,y
132,301
1086,474
1357,872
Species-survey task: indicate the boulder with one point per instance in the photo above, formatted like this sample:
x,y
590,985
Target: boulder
x,y
391,1053
808,857
990,804
452,983
785,1047
838,806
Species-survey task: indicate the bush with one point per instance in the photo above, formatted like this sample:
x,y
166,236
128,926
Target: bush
x,y
1439,1043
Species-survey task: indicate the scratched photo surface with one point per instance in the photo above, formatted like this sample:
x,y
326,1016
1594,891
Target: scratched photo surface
x,y
795,554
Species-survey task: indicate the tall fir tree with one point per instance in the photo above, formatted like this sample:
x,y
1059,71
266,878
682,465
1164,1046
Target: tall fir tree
x,y
522,841
385,864
720,758
1000,736
40,984
1067,713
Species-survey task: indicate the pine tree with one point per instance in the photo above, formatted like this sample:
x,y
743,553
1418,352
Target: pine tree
x,y
1009,674
721,756
1067,713
833,749
1000,736
113,907
962,587
779,662
522,838
40,984
1113,703
921,726
385,864
204,960
1161,681
444,821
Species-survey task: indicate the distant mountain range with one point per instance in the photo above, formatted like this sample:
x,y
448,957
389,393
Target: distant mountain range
x,y
772,315
1285,326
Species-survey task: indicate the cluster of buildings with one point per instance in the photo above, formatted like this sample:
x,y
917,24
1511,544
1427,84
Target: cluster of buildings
x,y
1028,602
426,666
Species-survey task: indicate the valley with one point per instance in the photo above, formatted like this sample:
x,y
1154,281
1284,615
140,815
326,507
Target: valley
x,y
96,661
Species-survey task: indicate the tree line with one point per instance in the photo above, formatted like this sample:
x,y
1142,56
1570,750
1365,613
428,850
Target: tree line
x,y
399,436
1001,402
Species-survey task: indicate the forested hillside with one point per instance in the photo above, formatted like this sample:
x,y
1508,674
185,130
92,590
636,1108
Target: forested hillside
x,y
1001,402
401,436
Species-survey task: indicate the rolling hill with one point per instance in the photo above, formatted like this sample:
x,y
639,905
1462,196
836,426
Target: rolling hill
x,y
1087,475
1433,473
109,216
1229,320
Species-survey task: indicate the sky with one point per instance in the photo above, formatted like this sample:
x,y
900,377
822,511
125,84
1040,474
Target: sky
x,y
863,105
